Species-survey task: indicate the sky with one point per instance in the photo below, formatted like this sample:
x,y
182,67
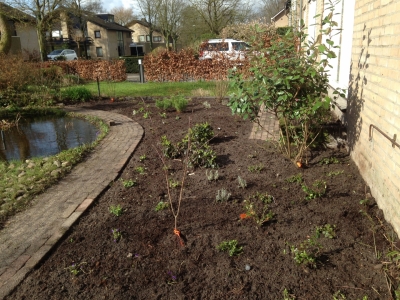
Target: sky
x,y
109,4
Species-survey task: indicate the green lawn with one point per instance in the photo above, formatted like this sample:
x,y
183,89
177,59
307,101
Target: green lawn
x,y
164,89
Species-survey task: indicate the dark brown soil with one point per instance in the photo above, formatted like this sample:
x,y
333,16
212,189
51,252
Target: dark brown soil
x,y
149,262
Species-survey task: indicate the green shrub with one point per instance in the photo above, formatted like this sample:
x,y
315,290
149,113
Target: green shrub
x,y
76,94
179,103
164,104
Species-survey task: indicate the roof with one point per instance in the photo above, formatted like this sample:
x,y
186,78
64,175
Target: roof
x,y
277,15
143,23
108,25
15,14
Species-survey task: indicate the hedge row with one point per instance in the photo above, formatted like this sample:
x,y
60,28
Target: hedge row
x,y
93,69
184,66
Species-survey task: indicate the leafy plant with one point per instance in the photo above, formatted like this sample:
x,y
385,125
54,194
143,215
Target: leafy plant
x,y
75,269
163,115
255,169
206,104
179,103
318,190
161,205
116,210
230,246
287,295
339,296
257,207
142,158
128,183
292,82
146,115
242,182
117,234
212,175
164,104
222,196
173,183
326,230
140,170
334,173
76,94
295,178
329,160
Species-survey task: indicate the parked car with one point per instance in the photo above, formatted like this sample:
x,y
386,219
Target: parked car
x,y
214,48
62,54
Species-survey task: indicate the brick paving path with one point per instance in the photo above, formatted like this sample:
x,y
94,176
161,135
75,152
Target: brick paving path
x,y
32,234
269,129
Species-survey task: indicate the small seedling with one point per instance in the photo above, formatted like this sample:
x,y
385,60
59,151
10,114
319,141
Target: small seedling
x,y
75,269
177,118
334,173
222,196
242,182
116,210
128,183
163,115
295,178
318,190
117,235
287,295
140,170
146,115
256,207
231,247
173,278
174,183
339,296
255,169
329,160
206,104
161,206
212,175
142,158
327,231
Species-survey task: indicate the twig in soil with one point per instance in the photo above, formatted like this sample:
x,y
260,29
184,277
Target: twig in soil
x,y
175,210
349,287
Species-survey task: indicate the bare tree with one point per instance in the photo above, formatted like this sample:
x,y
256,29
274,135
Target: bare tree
x,y
122,15
5,33
45,12
220,13
93,6
150,10
170,16
270,8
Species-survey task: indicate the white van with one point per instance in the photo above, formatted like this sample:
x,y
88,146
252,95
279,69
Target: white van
x,y
214,48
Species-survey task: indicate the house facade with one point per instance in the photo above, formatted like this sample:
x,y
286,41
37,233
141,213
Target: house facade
x,y
141,35
368,67
24,34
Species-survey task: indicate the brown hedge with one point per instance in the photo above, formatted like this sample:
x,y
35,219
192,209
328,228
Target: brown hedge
x,y
92,69
184,66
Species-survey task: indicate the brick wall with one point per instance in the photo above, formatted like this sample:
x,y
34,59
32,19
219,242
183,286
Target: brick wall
x,y
374,98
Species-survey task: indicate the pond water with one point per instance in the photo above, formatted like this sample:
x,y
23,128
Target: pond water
x,y
45,136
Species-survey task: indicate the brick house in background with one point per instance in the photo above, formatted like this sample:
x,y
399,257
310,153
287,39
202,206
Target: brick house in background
x,y
368,66
141,36
24,35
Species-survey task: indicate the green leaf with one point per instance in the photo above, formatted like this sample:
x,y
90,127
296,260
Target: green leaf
x,y
321,48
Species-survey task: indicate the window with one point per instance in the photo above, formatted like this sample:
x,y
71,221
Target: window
x,y
156,39
99,51
97,34
147,38
141,38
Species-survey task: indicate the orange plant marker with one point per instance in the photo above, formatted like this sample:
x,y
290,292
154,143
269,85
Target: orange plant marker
x,y
178,234
243,216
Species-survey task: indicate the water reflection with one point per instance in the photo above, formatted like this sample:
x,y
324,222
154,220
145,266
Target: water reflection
x,y
44,137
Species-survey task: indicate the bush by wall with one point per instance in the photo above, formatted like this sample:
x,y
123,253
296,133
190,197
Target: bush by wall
x,y
131,63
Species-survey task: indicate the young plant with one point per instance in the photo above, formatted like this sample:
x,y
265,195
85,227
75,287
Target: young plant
x,y
142,158
163,115
318,190
116,210
161,206
206,105
295,178
329,160
287,295
255,169
242,182
117,234
327,231
256,207
75,269
128,183
212,175
334,173
146,115
179,103
222,196
164,104
291,81
140,170
173,183
230,246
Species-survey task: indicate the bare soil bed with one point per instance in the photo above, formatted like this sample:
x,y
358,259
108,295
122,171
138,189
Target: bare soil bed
x,y
150,262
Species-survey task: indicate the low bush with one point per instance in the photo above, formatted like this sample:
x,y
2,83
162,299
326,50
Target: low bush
x,y
76,94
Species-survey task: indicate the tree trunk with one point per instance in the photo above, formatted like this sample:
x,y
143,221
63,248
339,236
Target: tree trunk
x,y
5,41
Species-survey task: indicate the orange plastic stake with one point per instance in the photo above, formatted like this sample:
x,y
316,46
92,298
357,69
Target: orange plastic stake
x,y
178,234
243,216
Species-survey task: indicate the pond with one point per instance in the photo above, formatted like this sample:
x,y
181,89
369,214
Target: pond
x,y
45,136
